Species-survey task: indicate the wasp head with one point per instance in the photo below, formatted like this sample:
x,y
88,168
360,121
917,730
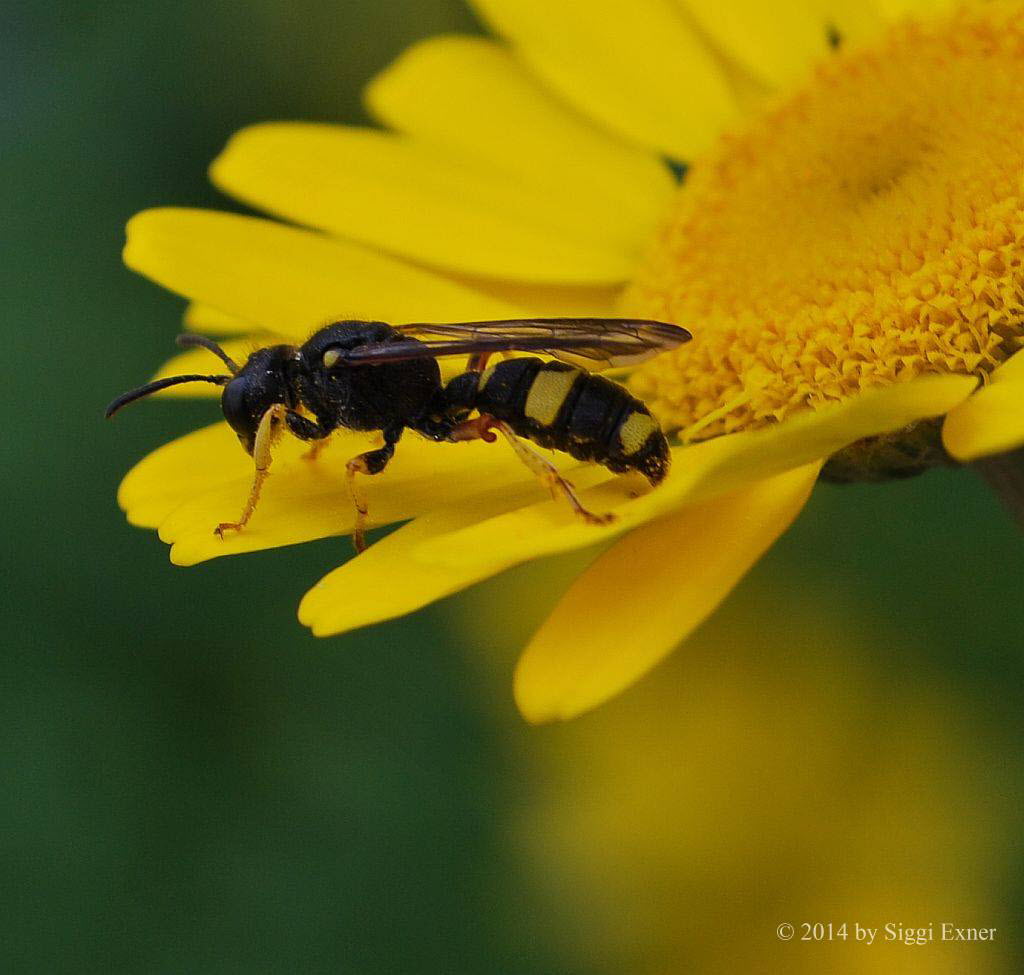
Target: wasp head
x,y
264,381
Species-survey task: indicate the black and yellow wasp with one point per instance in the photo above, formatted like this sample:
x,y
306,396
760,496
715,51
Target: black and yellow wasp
x,y
377,377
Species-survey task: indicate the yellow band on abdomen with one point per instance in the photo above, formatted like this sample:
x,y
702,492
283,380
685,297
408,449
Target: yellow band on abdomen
x,y
548,393
633,434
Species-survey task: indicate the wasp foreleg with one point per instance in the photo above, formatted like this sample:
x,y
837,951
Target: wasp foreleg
x,y
372,462
267,434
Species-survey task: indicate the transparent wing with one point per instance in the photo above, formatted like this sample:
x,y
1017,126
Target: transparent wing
x,y
605,342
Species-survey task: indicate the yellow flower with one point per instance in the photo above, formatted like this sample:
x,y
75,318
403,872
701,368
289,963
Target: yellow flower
x,y
771,775
846,248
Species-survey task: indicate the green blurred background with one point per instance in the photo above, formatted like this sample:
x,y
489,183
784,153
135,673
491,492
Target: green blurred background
x,y
194,784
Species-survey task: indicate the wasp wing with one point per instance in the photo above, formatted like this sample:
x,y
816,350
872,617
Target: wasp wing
x,y
605,342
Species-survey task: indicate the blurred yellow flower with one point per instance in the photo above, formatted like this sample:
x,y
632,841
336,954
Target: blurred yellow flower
x,y
772,775
846,248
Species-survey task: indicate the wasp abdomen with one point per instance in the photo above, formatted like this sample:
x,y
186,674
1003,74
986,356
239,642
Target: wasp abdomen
x,y
558,406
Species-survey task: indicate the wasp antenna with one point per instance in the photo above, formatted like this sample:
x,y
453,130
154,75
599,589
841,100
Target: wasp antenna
x,y
189,341
154,387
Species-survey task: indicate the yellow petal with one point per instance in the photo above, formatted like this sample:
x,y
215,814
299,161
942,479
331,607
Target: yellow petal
x,y
552,301
177,471
992,420
209,463
778,42
212,321
648,592
357,594
470,95
700,472
290,281
636,68
190,486
1012,370
434,206
199,361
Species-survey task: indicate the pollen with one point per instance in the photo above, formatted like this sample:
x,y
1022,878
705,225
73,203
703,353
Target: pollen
x,y
866,230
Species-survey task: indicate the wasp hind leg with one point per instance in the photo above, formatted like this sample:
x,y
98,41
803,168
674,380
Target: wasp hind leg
x,y
267,434
370,463
482,427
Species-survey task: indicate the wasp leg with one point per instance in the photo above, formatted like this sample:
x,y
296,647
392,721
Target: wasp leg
x,y
305,429
267,434
477,362
481,427
372,462
315,450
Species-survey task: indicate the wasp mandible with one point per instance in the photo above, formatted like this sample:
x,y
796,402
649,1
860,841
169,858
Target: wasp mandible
x,y
377,377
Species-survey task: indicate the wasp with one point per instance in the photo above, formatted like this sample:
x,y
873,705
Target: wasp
x,y
371,376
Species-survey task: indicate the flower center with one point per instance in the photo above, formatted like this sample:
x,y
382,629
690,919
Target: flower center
x,y
866,231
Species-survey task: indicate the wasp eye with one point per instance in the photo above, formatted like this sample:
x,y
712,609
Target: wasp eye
x,y
331,357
